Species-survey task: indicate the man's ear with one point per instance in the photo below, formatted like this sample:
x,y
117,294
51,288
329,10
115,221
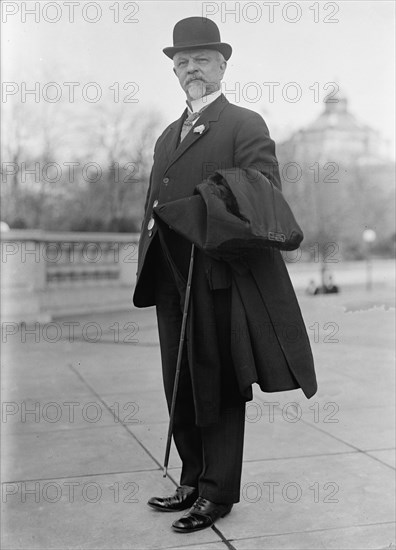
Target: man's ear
x,y
223,67
174,70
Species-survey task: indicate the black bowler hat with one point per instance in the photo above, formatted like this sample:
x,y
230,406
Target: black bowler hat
x,y
195,33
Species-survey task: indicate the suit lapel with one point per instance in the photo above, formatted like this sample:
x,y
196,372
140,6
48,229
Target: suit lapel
x,y
174,139
171,138
209,115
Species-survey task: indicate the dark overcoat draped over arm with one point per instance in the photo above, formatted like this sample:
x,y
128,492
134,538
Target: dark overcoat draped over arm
x,y
269,341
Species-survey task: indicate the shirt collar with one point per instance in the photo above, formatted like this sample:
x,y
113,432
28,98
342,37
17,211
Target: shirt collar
x,y
202,102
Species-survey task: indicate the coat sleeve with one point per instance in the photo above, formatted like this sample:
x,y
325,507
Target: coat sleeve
x,y
255,149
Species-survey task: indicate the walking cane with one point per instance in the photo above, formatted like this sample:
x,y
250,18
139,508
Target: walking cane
x,y
178,362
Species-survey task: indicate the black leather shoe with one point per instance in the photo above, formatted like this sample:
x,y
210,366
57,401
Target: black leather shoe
x,y
203,514
182,499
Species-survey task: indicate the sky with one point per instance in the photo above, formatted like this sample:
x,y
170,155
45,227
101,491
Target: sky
x,y
302,47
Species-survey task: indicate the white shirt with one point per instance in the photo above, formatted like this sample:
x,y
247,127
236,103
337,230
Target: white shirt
x,y
202,102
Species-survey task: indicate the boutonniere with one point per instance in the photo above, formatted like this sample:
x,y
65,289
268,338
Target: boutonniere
x,y
199,129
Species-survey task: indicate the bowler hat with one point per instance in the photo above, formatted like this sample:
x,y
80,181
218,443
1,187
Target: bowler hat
x,y
195,33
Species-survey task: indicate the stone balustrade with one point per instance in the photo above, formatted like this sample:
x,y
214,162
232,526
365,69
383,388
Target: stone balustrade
x,y
51,274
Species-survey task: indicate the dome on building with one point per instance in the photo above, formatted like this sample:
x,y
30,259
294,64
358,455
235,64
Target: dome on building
x,y
336,115
337,135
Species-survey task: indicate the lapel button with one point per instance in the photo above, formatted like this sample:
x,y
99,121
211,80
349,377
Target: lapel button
x,y
165,180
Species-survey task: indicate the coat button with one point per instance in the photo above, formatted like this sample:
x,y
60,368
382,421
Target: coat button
x,y
155,204
150,224
165,180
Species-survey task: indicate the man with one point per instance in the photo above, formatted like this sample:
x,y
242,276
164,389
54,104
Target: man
x,y
211,134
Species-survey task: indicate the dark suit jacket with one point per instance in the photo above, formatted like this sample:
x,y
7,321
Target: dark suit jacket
x,y
233,136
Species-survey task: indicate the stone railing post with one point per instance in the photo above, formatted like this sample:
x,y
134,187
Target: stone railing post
x,y
47,275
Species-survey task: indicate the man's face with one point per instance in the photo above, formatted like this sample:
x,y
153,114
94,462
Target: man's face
x,y
199,71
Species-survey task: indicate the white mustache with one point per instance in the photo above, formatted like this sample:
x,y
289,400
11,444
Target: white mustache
x,y
193,79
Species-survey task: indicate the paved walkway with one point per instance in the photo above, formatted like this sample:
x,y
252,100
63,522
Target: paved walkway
x,y
78,470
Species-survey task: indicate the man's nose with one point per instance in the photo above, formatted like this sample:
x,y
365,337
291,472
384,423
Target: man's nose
x,y
192,66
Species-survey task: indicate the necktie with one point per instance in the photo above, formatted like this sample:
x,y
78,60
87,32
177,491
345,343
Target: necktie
x,y
187,124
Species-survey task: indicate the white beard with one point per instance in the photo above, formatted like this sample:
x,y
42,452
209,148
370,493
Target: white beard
x,y
196,89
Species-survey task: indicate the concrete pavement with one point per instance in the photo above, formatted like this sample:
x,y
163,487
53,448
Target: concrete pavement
x,y
84,425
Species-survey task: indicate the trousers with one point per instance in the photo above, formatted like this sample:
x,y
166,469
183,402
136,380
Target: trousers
x,y
211,455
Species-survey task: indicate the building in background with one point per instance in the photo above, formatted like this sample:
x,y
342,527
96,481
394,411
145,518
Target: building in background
x,y
338,135
339,177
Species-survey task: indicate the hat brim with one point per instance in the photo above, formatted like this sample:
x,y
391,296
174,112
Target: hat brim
x,y
222,47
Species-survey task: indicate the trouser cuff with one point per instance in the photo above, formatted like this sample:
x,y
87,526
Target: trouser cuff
x,y
219,497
